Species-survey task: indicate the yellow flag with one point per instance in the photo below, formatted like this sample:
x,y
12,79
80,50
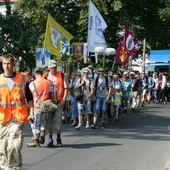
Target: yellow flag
x,y
55,34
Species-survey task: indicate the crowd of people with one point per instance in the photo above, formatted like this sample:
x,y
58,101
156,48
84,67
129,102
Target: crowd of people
x,y
92,98
108,94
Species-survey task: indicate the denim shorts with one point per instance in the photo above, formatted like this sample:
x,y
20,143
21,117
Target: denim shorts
x,y
84,107
101,105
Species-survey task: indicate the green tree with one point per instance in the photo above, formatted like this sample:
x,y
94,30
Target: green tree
x,y
148,19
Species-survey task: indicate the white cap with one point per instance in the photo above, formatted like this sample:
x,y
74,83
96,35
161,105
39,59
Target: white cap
x,y
52,63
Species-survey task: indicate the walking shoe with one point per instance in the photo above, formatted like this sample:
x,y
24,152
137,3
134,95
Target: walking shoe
x,y
74,124
59,142
87,126
109,122
103,125
50,143
42,137
93,126
125,110
78,127
34,143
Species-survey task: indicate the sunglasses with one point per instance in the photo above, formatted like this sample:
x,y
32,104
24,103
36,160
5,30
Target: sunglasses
x,y
101,70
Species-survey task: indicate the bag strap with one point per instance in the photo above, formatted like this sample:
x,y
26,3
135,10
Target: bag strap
x,y
23,85
36,91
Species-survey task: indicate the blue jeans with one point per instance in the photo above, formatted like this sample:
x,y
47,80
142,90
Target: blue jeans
x,y
74,109
101,105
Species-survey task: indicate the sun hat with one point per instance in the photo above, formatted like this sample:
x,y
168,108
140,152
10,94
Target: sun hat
x,y
86,69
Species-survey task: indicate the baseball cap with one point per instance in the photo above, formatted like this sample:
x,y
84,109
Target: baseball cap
x,y
52,63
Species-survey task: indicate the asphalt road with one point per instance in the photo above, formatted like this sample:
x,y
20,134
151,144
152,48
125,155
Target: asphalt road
x,y
138,141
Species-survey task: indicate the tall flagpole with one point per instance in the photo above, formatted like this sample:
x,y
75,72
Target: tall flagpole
x,y
130,63
143,55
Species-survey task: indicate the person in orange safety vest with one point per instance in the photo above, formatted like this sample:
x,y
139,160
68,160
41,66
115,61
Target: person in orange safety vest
x,y
41,90
15,98
59,94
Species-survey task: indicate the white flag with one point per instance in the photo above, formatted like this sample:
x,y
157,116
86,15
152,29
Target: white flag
x,y
96,26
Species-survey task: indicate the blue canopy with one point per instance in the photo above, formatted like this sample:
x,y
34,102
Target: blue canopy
x,y
160,56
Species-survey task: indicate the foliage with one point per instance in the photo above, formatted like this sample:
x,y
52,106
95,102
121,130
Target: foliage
x,y
23,30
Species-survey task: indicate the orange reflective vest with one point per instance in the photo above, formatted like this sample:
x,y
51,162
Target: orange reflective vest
x,y
42,87
12,103
59,85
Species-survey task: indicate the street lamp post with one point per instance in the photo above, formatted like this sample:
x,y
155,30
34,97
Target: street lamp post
x,y
104,52
111,52
100,51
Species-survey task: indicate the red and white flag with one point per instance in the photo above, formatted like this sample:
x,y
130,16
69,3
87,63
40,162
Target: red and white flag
x,y
129,42
122,56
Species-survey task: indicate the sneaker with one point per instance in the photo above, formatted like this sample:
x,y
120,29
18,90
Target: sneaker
x,y
103,125
42,137
74,124
78,127
93,126
59,142
50,143
87,126
34,143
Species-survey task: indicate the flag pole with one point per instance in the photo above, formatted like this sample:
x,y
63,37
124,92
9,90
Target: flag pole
x,y
104,56
130,63
78,64
143,55
114,61
67,79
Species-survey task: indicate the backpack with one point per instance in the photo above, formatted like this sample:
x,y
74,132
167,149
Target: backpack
x,y
78,93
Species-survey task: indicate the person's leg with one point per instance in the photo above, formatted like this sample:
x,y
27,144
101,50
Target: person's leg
x,y
97,109
109,115
4,131
104,111
14,145
58,124
88,113
80,115
43,119
49,127
35,129
74,111
117,109
134,100
125,103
